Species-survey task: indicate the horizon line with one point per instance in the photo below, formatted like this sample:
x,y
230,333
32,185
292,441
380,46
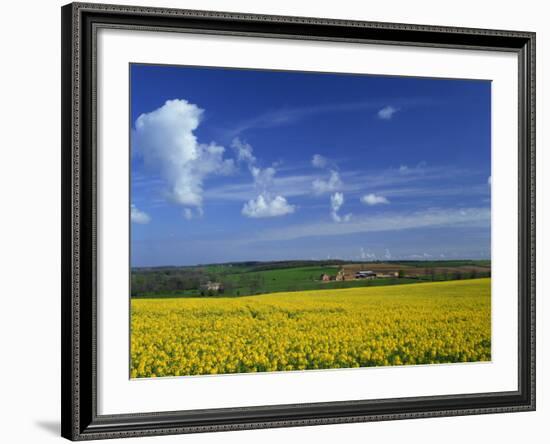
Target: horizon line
x,y
314,260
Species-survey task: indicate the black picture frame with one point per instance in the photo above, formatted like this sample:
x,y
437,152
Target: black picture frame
x,y
80,420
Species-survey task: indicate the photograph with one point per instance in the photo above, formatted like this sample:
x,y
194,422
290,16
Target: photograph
x,y
295,221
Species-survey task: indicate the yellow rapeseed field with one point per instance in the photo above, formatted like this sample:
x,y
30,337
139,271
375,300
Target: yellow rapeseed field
x,y
357,327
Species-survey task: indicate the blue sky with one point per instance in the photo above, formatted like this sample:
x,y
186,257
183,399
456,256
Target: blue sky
x,y
235,165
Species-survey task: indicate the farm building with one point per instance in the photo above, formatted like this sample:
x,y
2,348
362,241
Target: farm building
x,y
212,286
341,276
390,274
367,274
325,277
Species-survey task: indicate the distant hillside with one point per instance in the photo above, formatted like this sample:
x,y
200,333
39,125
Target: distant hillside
x,y
254,277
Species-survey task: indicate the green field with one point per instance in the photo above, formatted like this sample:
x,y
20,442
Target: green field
x,y
428,323
260,278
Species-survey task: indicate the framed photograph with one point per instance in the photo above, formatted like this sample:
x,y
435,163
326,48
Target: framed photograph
x,y
281,221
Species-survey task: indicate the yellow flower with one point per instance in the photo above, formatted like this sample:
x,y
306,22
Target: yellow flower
x,y
397,325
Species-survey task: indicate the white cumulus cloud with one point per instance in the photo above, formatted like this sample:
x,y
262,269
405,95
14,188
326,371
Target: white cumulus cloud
x,y
166,141
387,112
139,217
374,199
264,206
319,161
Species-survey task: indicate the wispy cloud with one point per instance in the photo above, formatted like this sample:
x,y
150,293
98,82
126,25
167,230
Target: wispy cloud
x,y
319,161
432,191
333,183
288,116
374,199
244,151
336,202
420,173
418,181
138,216
266,203
188,213
435,217
366,254
387,112
146,182
288,186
